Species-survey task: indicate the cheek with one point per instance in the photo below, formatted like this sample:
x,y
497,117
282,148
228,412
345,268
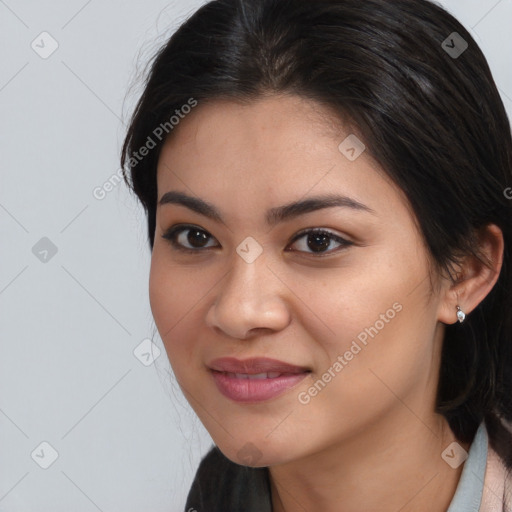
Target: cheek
x,y
379,323
367,382
163,297
381,361
170,305
173,290
355,305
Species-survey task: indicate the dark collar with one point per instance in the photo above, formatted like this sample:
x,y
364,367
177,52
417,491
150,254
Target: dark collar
x,y
221,485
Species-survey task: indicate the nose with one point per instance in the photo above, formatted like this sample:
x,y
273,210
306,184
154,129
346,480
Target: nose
x,y
250,300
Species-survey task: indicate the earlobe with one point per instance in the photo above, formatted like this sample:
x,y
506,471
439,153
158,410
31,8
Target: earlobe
x,y
476,278
451,312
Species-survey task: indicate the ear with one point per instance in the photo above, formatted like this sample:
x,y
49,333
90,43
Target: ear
x,y
476,279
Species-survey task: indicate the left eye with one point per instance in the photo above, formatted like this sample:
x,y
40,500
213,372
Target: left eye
x,y
319,241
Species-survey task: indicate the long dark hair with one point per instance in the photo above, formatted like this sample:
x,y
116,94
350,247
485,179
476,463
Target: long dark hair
x,y
428,111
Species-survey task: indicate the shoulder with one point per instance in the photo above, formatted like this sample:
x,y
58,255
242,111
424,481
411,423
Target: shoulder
x,y
220,485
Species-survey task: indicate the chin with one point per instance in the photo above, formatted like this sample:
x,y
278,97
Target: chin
x,y
255,454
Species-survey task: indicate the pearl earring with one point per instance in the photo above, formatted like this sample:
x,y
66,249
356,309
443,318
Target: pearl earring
x,y
460,314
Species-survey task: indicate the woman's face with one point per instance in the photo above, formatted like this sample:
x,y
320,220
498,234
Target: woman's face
x,y
350,308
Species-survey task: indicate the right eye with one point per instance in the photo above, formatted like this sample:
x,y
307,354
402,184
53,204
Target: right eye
x,y
189,238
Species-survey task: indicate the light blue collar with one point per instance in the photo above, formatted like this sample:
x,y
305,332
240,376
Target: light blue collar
x,y
468,495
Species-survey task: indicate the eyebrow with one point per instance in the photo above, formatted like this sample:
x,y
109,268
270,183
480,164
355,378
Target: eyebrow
x,y
274,215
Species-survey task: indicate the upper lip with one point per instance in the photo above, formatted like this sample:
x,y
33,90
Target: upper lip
x,y
254,366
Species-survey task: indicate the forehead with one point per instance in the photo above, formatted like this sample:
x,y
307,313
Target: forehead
x,y
266,125
268,151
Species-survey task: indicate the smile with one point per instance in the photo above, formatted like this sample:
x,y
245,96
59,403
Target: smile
x,y
250,388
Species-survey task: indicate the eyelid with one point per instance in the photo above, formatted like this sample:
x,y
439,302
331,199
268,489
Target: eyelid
x,y
327,231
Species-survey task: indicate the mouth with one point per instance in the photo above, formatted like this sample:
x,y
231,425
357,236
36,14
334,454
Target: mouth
x,y
255,366
255,376
255,380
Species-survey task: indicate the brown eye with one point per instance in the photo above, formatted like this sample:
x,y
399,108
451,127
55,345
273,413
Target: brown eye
x,y
319,241
195,237
189,238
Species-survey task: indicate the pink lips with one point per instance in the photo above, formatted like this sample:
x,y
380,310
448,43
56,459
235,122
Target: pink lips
x,y
256,379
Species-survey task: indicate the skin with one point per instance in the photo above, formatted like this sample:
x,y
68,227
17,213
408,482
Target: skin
x,y
370,440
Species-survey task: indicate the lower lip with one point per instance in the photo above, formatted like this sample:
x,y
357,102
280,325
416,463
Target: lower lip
x,y
255,390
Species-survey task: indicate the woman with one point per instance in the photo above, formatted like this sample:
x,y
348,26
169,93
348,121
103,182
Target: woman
x,y
326,193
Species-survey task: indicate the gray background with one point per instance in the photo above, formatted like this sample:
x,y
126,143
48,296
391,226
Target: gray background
x,y
70,322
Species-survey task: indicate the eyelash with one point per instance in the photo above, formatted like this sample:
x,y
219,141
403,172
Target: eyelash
x,y
174,231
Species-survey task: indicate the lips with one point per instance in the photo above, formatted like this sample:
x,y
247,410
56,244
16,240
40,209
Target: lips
x,y
255,380
257,376
255,366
